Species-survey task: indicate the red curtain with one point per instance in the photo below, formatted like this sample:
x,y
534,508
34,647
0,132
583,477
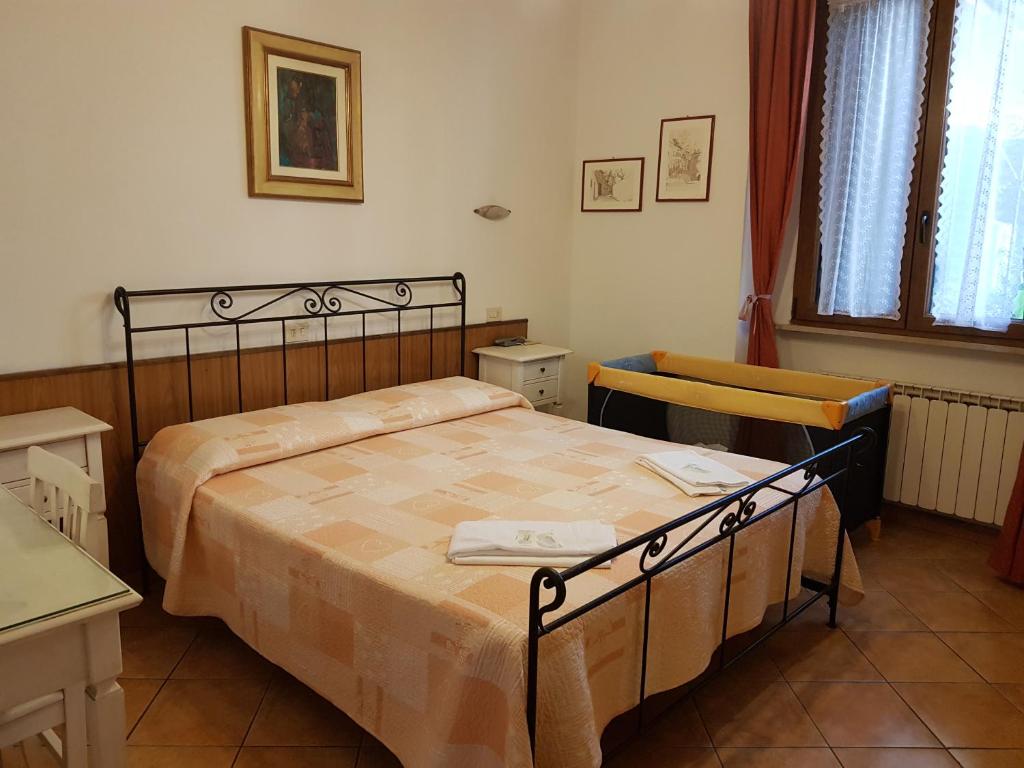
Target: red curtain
x,y
1008,556
781,41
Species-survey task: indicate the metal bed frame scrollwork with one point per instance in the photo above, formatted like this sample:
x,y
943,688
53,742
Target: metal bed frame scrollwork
x,y
319,300
733,514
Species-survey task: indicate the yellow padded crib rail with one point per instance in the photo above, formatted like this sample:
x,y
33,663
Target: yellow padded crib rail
x,y
741,390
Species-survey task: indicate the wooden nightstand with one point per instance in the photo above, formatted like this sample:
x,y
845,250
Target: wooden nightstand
x,y
533,370
66,432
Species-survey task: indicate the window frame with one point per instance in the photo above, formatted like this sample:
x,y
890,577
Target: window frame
x,y
917,261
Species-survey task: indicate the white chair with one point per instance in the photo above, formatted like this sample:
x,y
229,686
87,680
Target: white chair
x,y
40,716
62,493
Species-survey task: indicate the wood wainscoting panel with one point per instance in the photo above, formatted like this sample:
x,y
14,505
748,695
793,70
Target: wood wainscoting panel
x,y
162,394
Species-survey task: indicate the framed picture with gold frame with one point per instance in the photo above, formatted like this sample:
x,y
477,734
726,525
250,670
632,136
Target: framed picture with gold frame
x,y
303,118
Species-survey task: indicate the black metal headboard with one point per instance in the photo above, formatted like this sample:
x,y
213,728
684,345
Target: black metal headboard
x,y
324,300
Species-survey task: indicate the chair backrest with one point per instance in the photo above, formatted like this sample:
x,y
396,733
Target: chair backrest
x,y
62,493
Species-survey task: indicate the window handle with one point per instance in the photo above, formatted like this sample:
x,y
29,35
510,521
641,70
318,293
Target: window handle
x,y
924,227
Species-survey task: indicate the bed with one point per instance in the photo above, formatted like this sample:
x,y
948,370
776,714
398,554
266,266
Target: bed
x,y
317,531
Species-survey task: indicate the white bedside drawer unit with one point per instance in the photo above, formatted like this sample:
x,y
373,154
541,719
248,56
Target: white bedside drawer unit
x,y
14,463
67,432
533,370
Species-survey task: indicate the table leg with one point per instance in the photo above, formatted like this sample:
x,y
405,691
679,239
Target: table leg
x,y
104,713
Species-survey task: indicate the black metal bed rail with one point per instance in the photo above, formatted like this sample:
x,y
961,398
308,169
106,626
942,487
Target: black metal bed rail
x,y
733,513
324,300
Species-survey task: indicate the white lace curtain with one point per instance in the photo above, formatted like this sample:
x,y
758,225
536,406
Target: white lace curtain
x,y
979,239
874,82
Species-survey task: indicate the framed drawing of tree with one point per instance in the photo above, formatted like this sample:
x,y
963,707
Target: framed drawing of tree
x,y
684,159
303,116
616,184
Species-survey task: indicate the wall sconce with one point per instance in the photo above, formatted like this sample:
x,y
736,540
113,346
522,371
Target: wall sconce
x,y
492,212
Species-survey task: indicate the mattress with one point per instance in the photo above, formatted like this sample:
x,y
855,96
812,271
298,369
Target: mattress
x,y
318,533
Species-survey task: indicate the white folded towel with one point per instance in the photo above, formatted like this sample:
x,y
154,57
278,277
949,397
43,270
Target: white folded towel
x,y
695,474
529,542
534,562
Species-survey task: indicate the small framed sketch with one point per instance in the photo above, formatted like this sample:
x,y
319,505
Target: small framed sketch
x,y
303,118
613,185
684,159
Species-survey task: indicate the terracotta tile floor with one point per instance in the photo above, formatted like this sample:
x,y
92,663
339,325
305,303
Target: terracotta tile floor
x,y
927,671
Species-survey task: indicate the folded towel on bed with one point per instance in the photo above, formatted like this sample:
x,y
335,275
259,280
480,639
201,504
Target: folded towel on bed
x,y
695,474
533,562
529,542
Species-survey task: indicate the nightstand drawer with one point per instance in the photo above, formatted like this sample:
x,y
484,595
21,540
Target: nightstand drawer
x,y
541,391
14,463
541,369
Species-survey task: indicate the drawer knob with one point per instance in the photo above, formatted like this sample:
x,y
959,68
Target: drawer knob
x,y
543,369
542,391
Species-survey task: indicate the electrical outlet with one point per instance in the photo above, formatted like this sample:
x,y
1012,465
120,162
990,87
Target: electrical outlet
x,y
296,332
493,314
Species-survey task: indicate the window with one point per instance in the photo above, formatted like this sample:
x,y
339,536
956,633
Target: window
x,y
912,203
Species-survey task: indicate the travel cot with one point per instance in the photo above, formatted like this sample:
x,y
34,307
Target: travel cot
x,y
770,413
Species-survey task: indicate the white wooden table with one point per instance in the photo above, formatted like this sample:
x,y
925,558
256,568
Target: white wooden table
x,y
59,625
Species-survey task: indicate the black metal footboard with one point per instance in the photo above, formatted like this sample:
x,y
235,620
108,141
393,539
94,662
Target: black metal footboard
x,y
732,513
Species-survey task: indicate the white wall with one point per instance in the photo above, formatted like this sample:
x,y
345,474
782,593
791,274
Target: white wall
x,y
668,277
122,152
123,161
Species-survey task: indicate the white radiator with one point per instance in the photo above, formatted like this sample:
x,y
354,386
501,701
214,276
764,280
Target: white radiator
x,y
953,452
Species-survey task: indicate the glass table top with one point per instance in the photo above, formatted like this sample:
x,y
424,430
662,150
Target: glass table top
x,y
42,574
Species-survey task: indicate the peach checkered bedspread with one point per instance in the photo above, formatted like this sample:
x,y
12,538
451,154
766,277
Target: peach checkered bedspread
x,y
318,532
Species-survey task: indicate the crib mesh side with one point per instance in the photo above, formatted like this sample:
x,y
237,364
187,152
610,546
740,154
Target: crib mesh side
x,y
788,443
